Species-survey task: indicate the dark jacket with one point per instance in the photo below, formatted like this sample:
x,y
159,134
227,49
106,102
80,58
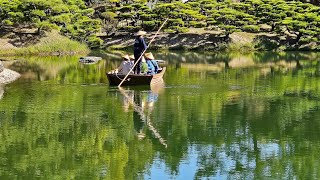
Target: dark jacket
x,y
139,45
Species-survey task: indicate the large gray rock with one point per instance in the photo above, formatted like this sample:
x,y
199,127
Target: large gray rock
x,y
1,67
7,75
89,59
1,90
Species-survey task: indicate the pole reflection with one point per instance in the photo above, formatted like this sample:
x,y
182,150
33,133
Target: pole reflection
x,y
142,102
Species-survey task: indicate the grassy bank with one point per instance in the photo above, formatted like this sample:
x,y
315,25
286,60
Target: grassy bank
x,y
52,44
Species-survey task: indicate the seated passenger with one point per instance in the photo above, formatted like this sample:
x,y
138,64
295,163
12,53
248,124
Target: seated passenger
x,y
152,64
131,57
125,65
144,66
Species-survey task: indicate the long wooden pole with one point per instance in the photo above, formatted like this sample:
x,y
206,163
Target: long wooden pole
x,y
142,53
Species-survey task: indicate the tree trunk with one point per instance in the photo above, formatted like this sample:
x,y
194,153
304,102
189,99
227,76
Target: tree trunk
x,y
226,37
298,38
39,31
273,26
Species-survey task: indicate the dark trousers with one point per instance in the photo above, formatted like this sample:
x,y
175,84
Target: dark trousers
x,y
137,68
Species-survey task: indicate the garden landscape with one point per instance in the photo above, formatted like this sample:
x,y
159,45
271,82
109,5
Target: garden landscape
x,y
239,98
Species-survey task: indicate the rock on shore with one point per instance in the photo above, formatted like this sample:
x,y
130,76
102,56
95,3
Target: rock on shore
x,y
7,75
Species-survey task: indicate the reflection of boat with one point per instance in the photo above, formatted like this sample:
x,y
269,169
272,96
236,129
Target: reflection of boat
x,y
135,79
142,102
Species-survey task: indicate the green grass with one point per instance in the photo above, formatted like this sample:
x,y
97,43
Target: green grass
x,y
52,44
118,47
241,47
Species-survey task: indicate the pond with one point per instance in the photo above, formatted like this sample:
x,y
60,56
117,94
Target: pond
x,y
217,116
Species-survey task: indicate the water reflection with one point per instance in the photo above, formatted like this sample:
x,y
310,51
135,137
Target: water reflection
x,y
222,116
65,69
142,103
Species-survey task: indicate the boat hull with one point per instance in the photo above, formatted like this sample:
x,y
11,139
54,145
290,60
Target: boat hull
x,y
135,79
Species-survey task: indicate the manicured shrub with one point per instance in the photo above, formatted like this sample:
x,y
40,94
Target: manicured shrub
x,y
176,22
149,25
197,24
94,42
178,29
130,28
251,28
169,31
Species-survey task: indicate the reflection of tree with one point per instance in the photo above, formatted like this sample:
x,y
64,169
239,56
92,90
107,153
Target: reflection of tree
x,y
242,113
236,123
64,69
67,132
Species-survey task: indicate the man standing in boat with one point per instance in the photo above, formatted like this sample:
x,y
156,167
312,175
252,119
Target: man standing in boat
x,y
138,47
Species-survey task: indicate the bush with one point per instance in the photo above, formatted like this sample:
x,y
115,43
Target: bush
x,y
266,43
145,17
130,28
251,28
197,24
94,42
210,23
178,29
306,40
176,22
169,31
182,29
149,25
240,23
110,16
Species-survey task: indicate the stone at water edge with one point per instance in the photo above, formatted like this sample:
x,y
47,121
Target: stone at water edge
x,y
7,75
1,67
1,91
89,59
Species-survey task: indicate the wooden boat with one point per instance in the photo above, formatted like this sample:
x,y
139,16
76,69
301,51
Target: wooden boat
x,y
135,79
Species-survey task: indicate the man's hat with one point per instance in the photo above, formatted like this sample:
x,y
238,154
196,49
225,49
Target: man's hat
x,y
140,33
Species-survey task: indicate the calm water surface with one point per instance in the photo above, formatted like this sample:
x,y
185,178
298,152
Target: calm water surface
x,y
217,116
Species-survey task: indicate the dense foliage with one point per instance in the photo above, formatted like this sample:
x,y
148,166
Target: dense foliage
x,y
297,21
72,17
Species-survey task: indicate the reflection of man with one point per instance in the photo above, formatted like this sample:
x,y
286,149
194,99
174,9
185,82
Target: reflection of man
x,y
128,100
142,102
137,121
145,100
138,125
148,101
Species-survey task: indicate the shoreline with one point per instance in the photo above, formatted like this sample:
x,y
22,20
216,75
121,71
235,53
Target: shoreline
x,y
54,44
239,41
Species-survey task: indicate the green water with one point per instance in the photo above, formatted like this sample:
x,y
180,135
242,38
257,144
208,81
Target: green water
x,y
217,116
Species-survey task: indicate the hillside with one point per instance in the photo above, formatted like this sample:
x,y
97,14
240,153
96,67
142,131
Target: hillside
x,y
279,24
